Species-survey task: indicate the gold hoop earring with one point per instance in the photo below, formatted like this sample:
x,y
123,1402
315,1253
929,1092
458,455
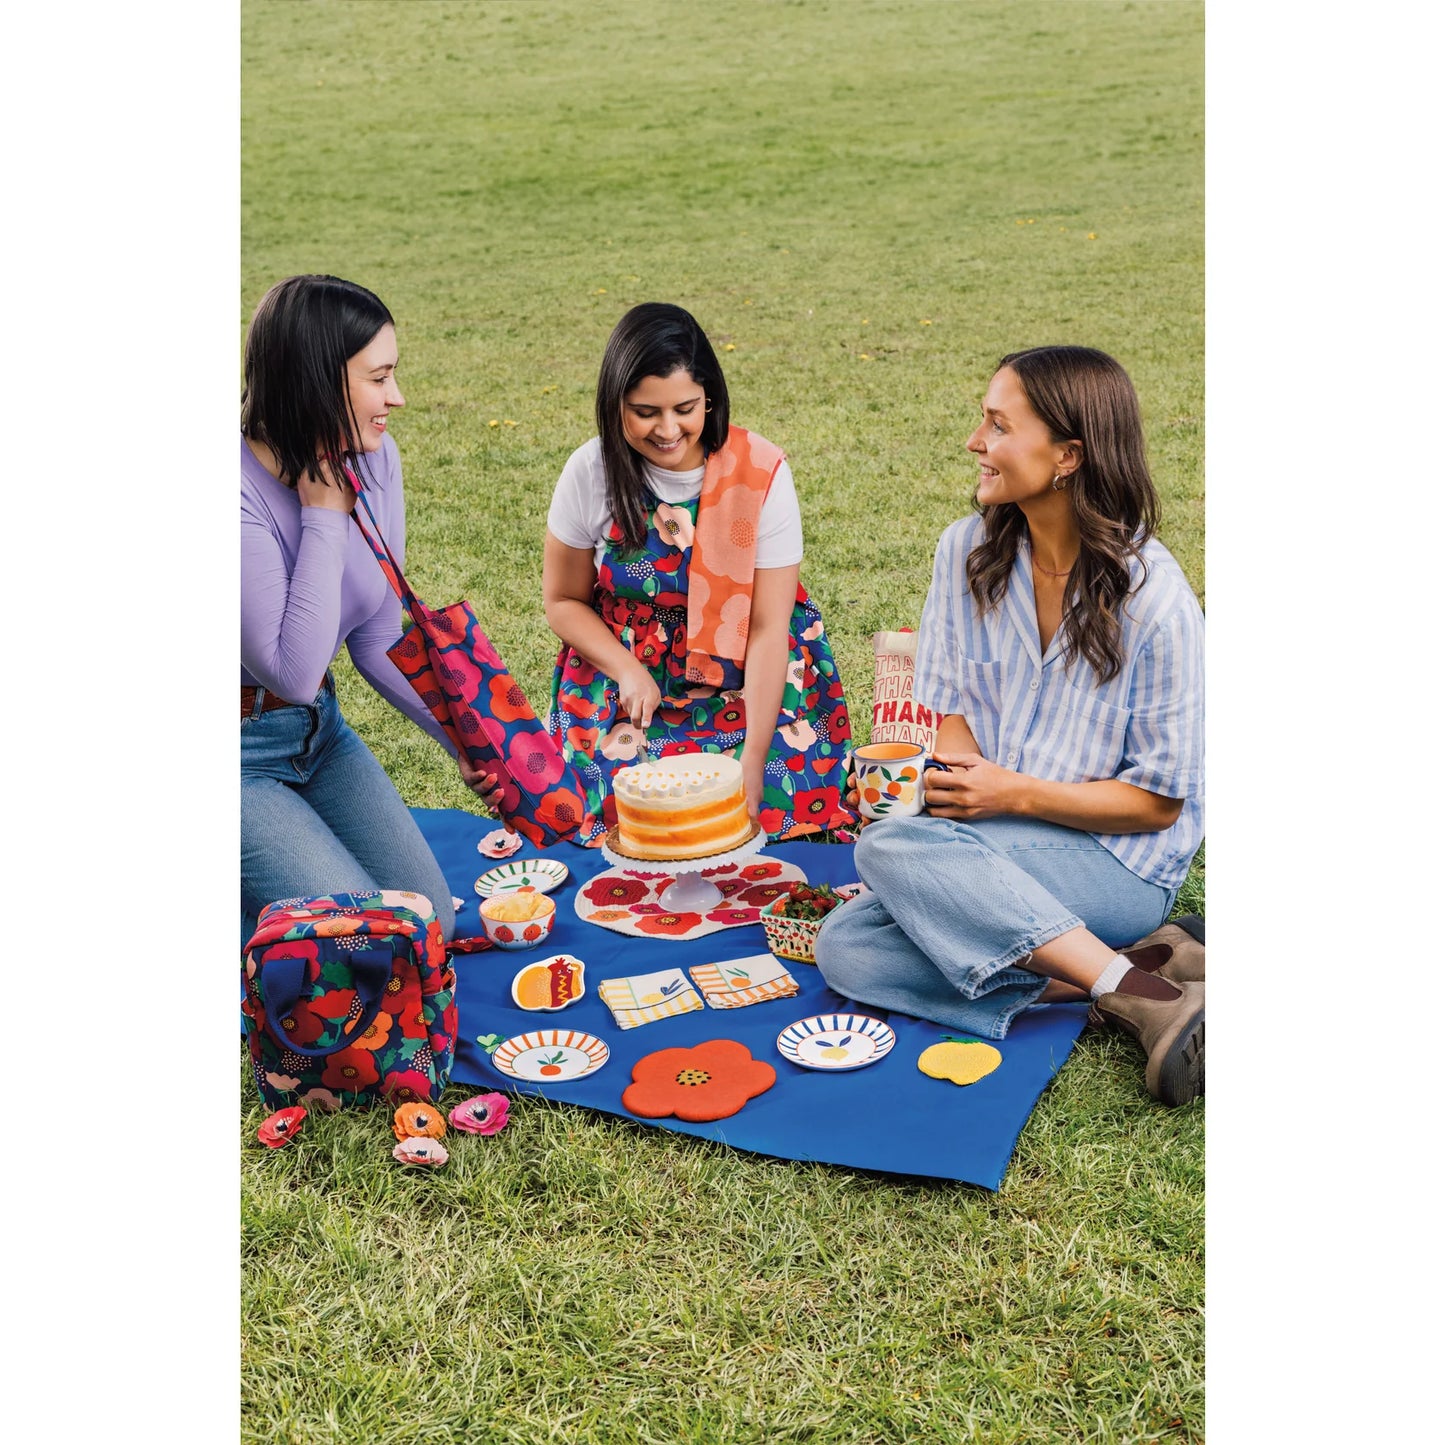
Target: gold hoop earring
x,y
707,404
1059,482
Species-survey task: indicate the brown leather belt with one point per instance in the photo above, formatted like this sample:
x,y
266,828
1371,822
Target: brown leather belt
x,y
269,701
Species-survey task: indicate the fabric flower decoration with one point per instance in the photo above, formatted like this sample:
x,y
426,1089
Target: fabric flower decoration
x,y
500,843
708,1081
420,1151
484,1114
282,1127
457,903
418,1121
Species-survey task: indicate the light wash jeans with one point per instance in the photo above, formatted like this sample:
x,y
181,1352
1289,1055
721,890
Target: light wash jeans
x,y
954,906
319,815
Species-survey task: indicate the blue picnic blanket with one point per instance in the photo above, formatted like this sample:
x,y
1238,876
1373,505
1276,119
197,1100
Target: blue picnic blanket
x,y
886,1116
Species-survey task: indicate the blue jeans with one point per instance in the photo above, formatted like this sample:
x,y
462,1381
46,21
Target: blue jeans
x,y
319,815
954,907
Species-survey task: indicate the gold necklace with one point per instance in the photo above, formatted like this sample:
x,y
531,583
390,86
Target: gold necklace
x,y
1041,568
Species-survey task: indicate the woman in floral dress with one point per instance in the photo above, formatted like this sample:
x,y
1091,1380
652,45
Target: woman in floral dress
x,y
671,577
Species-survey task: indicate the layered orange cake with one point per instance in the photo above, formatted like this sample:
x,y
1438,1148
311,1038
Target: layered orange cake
x,y
686,806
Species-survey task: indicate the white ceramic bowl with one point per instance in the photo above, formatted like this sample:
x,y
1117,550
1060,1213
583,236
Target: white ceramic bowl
x,y
520,933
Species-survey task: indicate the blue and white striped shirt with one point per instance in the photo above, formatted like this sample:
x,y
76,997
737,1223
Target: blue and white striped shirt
x,y
1031,715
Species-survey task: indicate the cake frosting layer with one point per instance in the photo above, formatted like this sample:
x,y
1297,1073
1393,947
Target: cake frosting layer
x,y
685,806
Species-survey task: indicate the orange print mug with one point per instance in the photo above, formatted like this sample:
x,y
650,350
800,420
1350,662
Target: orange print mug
x,y
889,777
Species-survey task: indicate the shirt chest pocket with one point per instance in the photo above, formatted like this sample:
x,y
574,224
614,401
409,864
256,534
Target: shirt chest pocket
x,y
980,684
1091,735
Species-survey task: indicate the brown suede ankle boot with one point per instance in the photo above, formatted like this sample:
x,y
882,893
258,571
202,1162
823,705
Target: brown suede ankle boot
x,y
1171,1032
1169,952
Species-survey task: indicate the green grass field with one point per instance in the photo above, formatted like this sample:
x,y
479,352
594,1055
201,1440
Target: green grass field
x,y
868,201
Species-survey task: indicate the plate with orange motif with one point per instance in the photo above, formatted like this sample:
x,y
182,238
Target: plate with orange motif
x,y
548,1056
836,1041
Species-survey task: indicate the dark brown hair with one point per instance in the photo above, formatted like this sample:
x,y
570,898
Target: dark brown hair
x,y
295,396
1083,396
653,339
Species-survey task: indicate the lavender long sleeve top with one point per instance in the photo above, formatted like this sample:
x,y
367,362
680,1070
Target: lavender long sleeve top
x,y
309,582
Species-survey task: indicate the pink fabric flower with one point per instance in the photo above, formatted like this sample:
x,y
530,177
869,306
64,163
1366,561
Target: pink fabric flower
x,y
420,1151
282,1127
500,843
533,766
484,1114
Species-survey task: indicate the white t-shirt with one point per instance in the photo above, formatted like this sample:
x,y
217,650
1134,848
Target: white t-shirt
x,y
579,515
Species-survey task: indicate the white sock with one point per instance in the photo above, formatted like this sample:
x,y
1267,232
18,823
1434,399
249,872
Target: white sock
x,y
1113,973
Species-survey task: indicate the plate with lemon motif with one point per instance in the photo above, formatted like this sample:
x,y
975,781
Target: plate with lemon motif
x,y
543,874
836,1041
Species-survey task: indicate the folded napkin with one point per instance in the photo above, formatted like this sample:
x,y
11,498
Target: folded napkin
x,y
740,981
646,997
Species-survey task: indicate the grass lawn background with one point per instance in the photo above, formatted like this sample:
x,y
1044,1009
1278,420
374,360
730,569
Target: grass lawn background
x,y
869,202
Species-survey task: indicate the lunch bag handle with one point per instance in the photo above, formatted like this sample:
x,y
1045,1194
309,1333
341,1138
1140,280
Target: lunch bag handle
x,y
282,979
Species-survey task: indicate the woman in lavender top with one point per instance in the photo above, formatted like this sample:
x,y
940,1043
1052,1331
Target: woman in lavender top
x,y
318,812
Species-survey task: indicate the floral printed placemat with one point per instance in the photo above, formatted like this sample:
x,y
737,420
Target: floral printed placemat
x,y
626,899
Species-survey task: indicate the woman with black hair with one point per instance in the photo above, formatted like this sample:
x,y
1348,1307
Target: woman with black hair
x,y
318,813
671,576
1063,649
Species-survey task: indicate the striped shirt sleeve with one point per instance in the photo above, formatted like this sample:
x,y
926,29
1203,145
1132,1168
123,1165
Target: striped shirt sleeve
x,y
1164,744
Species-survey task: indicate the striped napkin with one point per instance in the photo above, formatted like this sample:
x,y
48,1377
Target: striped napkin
x,y
737,982
646,997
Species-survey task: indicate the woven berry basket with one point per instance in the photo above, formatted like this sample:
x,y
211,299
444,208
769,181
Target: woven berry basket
x,y
794,938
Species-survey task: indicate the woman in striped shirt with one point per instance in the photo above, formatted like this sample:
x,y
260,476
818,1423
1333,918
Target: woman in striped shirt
x,y
1062,647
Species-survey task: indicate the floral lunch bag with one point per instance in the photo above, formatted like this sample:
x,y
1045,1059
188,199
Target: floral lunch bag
x,y
349,999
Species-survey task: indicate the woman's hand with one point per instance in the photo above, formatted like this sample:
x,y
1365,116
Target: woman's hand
x,y
638,696
753,785
971,787
334,494
484,785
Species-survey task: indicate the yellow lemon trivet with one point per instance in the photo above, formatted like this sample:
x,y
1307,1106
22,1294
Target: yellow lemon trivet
x,y
961,1061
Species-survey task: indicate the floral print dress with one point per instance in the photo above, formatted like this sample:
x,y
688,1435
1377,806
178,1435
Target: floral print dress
x,y
642,597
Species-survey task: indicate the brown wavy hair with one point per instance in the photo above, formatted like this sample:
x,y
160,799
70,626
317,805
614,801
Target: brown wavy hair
x,y
1085,396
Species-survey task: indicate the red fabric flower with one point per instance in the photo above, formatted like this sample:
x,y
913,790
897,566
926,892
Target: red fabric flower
x,y
671,925
708,1081
350,1070
839,729
771,819
396,995
508,701
615,892
796,763
757,872
668,564
404,1085
583,740
673,750
733,915
815,805
760,894
282,1127
730,717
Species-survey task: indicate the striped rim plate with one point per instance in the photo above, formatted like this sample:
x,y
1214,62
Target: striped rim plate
x,y
835,1041
543,874
548,1056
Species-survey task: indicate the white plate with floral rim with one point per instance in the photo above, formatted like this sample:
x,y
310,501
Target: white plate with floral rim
x,y
549,1056
836,1041
543,874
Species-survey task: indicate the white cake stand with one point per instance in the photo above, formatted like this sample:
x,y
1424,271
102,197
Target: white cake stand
x,y
690,892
